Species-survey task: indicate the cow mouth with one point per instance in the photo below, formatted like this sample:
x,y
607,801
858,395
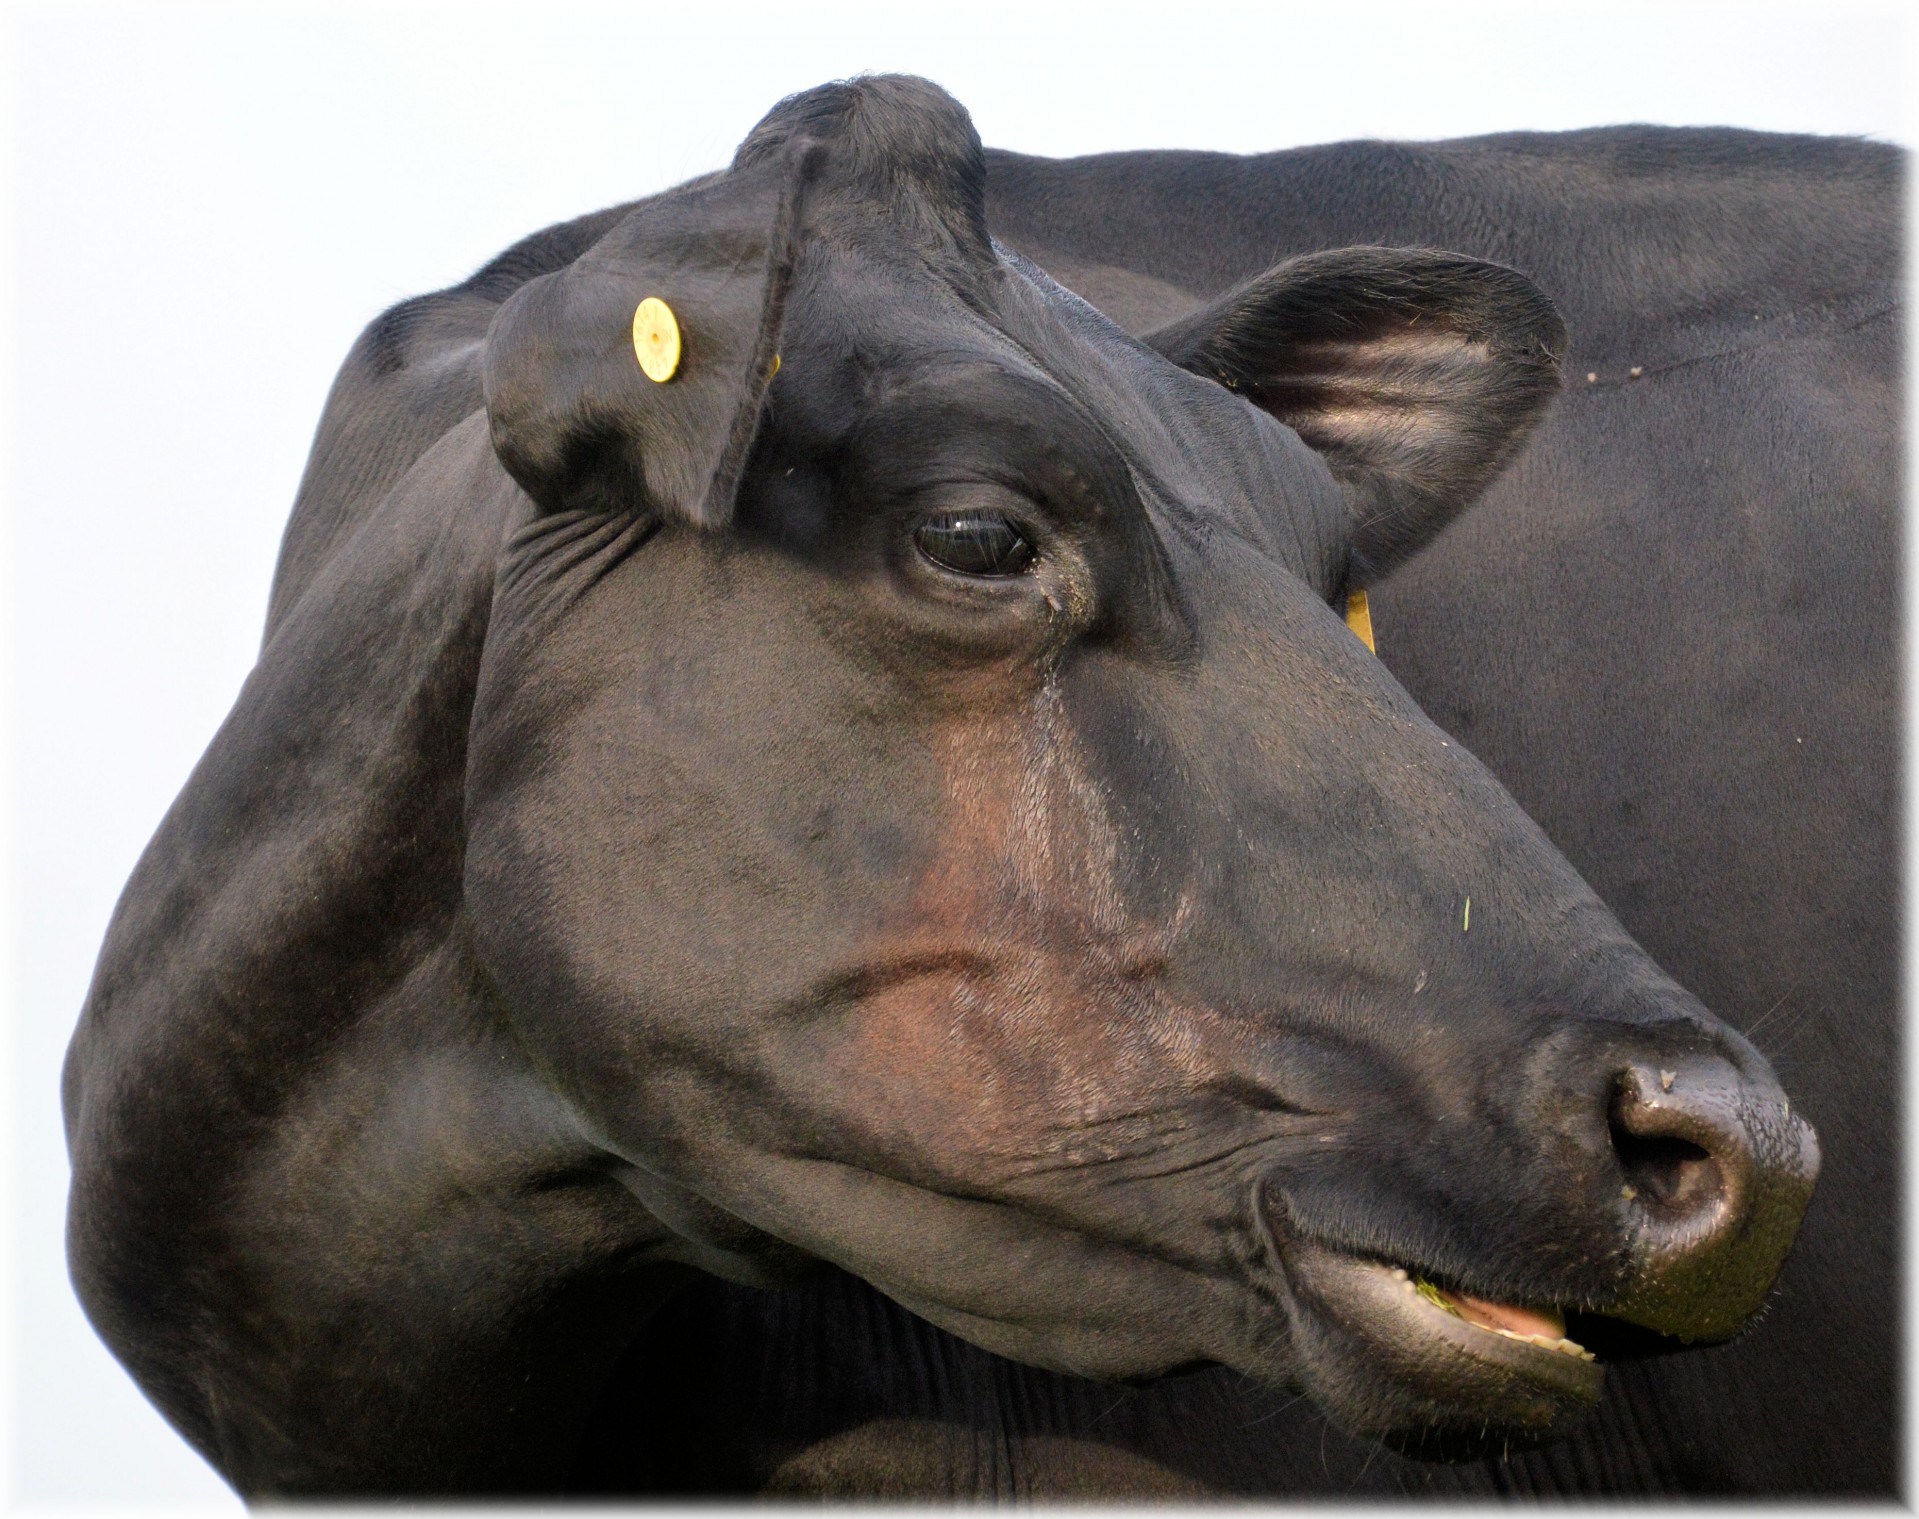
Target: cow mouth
x,y
1544,1327
1432,1370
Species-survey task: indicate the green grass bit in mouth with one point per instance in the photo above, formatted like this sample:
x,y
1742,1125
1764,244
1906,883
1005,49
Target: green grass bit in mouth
x,y
1434,1296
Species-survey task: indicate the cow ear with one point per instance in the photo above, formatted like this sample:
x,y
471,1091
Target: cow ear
x,y
1415,374
577,421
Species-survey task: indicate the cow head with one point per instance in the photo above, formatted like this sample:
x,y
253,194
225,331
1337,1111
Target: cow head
x,y
926,811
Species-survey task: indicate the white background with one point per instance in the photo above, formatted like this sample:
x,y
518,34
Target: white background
x,y
207,202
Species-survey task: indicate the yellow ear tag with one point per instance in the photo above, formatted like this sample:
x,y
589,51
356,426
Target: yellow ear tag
x,y
1359,618
776,367
656,339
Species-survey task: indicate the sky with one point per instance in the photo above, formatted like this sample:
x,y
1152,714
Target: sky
x,y
204,204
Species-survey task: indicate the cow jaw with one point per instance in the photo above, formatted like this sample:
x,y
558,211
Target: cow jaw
x,y
1429,1370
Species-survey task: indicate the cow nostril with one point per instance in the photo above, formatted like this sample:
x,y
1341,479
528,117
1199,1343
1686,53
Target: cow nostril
x,y
1678,1150
1715,1172
1668,1172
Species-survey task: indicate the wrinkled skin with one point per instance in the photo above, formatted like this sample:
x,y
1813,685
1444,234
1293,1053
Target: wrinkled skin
x,y
636,852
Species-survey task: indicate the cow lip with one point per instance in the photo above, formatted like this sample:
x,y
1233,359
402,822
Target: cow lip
x,y
1391,1355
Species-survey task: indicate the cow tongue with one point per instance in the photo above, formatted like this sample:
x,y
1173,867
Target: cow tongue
x,y
1548,1323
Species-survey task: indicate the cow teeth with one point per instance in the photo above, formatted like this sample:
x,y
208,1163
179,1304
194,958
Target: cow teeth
x,y
1563,1346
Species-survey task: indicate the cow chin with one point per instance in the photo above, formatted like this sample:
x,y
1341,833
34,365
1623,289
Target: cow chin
x,y
1386,1359
1384,1354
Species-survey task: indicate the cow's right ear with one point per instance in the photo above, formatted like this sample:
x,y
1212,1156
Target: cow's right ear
x,y
1414,374
577,421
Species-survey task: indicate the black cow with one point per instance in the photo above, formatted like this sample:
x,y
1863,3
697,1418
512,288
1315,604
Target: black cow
x,y
1671,630
897,793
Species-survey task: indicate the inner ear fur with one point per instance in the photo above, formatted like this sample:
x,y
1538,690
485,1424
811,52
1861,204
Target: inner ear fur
x,y
575,420
1416,374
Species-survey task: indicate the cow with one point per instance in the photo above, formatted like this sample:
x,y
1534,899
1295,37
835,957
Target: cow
x,y
791,752
1670,629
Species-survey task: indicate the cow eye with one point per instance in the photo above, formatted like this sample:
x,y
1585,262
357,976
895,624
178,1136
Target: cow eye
x,y
974,543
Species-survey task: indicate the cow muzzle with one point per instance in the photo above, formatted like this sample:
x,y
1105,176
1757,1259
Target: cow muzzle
x,y
1707,1172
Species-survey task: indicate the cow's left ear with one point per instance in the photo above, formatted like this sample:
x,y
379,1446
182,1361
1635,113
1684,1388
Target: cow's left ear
x,y
576,416
1415,374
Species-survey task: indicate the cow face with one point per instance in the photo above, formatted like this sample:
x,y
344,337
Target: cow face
x,y
927,813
